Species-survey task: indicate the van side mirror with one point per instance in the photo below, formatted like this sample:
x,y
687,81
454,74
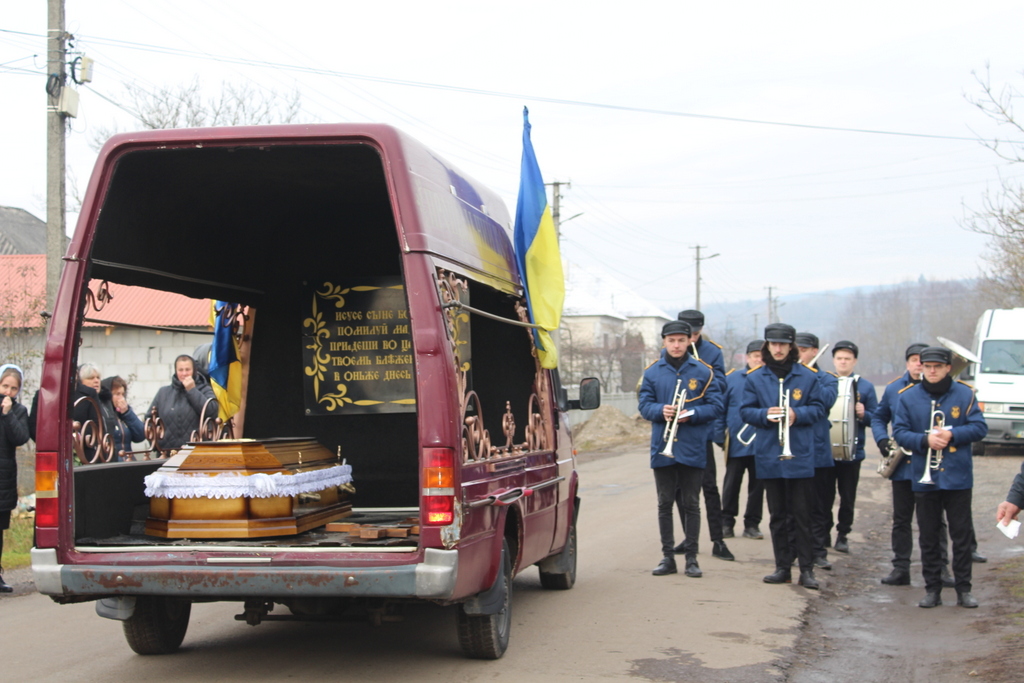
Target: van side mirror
x,y
590,395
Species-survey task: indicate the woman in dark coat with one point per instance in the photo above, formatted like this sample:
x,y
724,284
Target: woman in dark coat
x,y
13,433
121,421
180,404
87,408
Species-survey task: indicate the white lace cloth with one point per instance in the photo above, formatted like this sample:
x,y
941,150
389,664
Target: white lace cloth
x,y
230,485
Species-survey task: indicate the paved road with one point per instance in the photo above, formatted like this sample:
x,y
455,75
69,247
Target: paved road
x,y
618,623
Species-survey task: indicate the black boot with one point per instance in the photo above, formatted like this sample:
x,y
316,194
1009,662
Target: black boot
x,y
4,588
947,578
719,550
897,577
780,575
841,545
807,579
965,599
931,599
666,566
692,568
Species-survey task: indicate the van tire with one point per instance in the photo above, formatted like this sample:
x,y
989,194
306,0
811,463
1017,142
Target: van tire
x,y
563,580
486,636
978,448
158,625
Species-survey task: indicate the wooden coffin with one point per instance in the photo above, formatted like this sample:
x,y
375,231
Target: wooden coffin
x,y
243,488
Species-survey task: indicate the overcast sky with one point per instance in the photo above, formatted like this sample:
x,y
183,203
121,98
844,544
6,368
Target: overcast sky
x,y
636,104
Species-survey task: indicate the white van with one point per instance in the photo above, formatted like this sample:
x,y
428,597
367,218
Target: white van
x,y
999,377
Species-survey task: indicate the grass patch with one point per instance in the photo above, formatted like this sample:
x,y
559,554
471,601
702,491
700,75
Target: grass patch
x,y
17,542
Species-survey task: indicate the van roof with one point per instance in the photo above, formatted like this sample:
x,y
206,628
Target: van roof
x,y
1004,323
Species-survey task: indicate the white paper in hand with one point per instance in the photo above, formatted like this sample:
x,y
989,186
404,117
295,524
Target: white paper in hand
x,y
1011,529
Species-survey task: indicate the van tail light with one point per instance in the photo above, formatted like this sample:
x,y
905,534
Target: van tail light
x,y
438,486
47,509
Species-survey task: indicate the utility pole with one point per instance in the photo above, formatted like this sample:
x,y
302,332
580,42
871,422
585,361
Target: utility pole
x,y
55,147
757,330
697,258
771,306
556,197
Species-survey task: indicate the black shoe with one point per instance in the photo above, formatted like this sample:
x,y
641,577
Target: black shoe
x,y
719,550
4,588
780,575
727,532
752,532
822,563
947,578
966,600
897,577
977,557
666,566
679,549
692,569
932,599
807,580
841,545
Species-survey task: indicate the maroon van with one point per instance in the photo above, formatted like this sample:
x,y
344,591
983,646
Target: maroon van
x,y
396,439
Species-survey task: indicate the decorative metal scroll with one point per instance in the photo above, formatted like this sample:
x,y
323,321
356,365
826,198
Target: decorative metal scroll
x,y
100,298
476,441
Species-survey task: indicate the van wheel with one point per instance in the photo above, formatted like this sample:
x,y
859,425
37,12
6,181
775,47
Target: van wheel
x,y
978,448
486,636
563,580
158,625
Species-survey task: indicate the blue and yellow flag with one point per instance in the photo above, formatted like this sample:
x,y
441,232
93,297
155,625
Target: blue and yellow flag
x,y
536,245
225,367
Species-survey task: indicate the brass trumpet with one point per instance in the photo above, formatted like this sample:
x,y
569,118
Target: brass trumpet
x,y
933,460
783,420
678,401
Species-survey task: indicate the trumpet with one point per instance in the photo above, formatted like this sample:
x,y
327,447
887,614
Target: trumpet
x,y
783,420
933,459
678,401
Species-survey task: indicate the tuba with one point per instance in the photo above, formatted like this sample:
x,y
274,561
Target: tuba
x,y
933,460
678,401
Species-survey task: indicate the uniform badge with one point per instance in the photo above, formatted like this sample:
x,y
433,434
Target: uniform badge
x,y
693,385
797,394
955,412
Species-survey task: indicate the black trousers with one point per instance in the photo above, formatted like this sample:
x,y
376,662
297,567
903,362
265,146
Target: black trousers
x,y
903,504
956,505
733,482
790,502
844,477
824,477
712,500
678,484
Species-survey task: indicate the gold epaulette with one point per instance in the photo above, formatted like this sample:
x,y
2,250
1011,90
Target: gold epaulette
x,y
965,384
730,371
895,379
753,369
905,388
709,341
809,367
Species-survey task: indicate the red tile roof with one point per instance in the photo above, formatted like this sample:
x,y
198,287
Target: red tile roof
x,y
23,289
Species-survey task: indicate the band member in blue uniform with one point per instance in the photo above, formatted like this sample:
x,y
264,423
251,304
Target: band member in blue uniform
x,y
710,353
845,476
938,420
824,465
902,492
681,471
782,400
740,454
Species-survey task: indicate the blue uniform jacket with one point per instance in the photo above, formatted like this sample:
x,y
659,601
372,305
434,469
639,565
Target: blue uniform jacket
x,y
864,392
703,396
884,414
711,353
829,384
912,423
736,382
762,392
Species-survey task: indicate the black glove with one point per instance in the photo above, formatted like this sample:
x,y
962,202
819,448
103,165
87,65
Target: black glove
x,y
883,446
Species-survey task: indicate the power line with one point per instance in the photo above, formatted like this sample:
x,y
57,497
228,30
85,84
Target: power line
x,y
159,49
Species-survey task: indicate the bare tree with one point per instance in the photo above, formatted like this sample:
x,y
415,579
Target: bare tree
x,y
184,106
1001,216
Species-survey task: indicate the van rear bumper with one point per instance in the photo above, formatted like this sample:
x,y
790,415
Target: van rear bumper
x,y
433,578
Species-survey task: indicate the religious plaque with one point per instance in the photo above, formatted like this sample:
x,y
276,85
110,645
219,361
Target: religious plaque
x,y
357,348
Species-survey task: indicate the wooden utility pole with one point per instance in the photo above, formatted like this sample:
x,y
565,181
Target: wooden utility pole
x,y
56,42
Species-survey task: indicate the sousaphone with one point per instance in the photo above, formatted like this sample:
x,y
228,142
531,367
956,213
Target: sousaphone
x,y
962,357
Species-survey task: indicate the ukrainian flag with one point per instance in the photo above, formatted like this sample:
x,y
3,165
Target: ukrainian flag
x,y
536,245
225,367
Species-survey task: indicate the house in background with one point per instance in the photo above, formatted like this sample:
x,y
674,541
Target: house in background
x,y
608,330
